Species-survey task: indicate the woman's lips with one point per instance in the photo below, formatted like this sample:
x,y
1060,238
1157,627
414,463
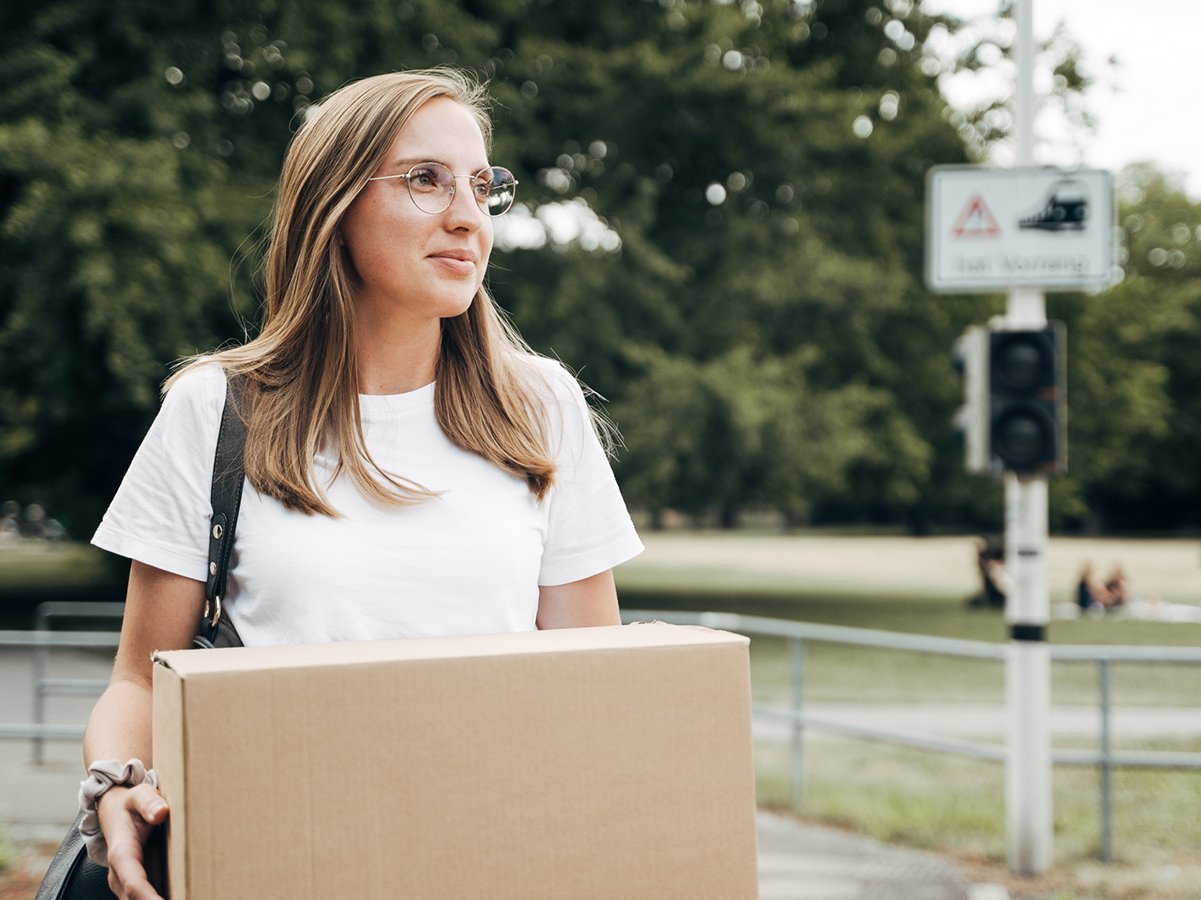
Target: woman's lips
x,y
455,263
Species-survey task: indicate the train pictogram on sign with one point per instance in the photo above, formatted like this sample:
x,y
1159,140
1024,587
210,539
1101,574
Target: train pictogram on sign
x,y
1064,209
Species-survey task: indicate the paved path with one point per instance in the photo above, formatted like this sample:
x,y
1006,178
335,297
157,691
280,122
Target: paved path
x,y
796,861
807,862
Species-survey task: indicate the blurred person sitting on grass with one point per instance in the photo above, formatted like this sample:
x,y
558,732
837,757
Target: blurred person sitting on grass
x,y
1092,595
1118,588
412,468
994,578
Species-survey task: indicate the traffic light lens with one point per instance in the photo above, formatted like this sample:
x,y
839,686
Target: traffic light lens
x,y
1024,437
1020,364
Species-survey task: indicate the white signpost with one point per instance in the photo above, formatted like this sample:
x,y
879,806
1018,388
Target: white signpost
x,y
997,229
1025,231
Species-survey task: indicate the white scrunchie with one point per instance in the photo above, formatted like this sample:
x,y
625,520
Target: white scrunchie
x,y
103,775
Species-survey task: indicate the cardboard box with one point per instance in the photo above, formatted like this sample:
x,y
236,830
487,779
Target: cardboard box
x,y
582,763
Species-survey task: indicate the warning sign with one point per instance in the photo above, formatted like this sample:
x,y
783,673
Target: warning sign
x,y
976,221
994,229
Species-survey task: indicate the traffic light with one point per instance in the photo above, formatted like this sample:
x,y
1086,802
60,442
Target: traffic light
x,y
971,360
1014,415
1028,413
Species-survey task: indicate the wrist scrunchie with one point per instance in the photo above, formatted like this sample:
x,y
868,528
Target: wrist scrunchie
x,y
103,775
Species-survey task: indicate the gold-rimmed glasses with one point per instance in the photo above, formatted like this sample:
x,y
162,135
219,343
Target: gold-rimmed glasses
x,y
432,187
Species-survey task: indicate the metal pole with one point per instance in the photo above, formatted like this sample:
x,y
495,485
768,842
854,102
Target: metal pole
x,y
796,774
1106,766
40,654
1024,99
1028,677
1027,607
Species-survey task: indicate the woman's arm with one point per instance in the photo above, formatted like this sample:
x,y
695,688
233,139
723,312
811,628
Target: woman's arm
x,y
161,613
589,601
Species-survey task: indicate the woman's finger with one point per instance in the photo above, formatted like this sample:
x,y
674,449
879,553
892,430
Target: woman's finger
x,y
148,803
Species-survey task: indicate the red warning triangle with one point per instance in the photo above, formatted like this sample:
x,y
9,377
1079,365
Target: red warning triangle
x,y
976,221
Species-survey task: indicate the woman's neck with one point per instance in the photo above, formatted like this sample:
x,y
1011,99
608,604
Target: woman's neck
x,y
396,358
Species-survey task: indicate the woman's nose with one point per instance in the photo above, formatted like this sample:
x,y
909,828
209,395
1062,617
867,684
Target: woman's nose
x,y
463,210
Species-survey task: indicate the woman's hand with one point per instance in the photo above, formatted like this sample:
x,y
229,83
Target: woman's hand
x,y
129,818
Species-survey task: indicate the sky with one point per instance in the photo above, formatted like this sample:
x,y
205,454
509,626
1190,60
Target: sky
x,y
1148,106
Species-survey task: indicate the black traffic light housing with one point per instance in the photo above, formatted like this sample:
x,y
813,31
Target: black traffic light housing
x,y
1014,415
1027,414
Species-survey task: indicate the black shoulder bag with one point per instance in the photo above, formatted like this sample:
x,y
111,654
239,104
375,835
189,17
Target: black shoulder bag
x,y
216,630
72,874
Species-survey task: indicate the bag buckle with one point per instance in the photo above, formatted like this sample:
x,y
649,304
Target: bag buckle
x,y
215,607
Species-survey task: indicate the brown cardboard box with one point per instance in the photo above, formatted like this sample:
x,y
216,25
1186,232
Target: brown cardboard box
x,y
577,764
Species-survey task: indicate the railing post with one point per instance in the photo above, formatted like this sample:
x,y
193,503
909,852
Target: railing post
x,y
41,620
796,655
1106,764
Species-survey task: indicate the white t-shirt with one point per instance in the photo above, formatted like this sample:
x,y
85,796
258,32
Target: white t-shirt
x,y
469,561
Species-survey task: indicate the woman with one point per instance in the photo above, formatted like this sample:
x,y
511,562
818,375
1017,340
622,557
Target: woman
x,y
412,469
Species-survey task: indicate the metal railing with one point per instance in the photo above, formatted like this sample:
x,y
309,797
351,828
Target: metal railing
x,y
44,639
1105,757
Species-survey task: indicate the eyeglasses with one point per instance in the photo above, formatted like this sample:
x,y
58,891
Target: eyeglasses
x,y
432,187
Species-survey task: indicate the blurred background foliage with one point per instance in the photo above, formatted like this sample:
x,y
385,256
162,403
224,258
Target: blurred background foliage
x,y
721,227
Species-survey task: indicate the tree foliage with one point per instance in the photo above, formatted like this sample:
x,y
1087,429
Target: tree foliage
x,y
1134,371
724,233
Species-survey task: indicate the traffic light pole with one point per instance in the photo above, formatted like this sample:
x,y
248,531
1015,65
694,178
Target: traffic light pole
x,y
1027,676
1027,605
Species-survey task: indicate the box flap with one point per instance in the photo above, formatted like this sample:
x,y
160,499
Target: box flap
x,y
342,653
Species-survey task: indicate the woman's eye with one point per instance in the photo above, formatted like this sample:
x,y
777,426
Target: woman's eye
x,y
423,178
482,189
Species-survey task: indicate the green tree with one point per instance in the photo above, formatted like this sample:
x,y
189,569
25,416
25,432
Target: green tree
x,y
138,148
754,311
763,165
1135,408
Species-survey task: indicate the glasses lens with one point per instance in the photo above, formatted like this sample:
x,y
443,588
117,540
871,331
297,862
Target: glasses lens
x,y
431,186
500,190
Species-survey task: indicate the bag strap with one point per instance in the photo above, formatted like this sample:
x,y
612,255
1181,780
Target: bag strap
x,y
228,476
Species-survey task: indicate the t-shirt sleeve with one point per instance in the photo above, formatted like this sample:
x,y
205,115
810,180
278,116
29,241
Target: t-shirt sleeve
x,y
588,527
160,514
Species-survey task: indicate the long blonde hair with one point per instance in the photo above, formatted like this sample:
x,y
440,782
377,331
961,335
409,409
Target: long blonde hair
x,y
301,386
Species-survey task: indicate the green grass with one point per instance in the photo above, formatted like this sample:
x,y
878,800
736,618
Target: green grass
x,y
837,672
955,805
938,801
33,573
43,567
850,673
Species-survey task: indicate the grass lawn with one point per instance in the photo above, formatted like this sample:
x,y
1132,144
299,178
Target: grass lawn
x,y
937,801
31,573
42,567
842,672
955,805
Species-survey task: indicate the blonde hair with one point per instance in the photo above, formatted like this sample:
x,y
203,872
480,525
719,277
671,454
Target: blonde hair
x,y
301,387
